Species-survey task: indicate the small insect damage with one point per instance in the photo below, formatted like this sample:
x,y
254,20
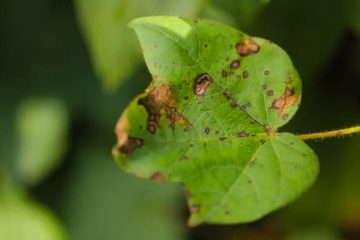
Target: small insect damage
x,y
248,47
201,84
126,144
160,99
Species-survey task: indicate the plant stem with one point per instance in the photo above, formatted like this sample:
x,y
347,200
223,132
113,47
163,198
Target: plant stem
x,y
330,134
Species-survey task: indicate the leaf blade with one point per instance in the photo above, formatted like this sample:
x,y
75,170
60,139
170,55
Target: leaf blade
x,y
203,128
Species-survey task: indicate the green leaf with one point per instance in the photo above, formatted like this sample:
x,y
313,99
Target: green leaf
x,y
42,126
112,45
209,120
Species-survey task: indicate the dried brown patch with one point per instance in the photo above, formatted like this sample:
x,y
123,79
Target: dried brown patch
x,y
126,144
131,145
288,99
201,84
161,99
248,47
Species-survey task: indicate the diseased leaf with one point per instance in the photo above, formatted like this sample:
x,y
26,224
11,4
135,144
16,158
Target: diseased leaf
x,y
210,117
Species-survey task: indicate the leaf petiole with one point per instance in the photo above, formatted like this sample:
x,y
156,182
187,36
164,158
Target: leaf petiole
x,y
330,134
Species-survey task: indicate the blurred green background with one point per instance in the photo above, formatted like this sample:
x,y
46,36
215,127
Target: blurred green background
x,y
68,69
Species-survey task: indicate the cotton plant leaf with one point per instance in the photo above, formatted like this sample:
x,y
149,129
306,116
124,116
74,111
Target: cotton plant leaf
x,y
113,47
209,120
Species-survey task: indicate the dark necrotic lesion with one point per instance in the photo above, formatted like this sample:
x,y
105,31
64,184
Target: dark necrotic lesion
x,y
201,84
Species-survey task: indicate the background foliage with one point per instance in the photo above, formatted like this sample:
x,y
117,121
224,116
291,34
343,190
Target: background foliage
x,y
68,69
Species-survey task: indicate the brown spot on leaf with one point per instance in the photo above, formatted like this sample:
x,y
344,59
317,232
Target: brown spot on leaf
x,y
224,73
207,131
157,176
248,47
234,105
158,99
201,84
222,139
151,127
195,208
270,93
243,134
245,74
285,116
266,72
235,64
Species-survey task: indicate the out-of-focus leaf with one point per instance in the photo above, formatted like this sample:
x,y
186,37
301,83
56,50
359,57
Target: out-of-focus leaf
x,y
42,126
100,203
210,120
243,11
301,27
112,45
21,219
